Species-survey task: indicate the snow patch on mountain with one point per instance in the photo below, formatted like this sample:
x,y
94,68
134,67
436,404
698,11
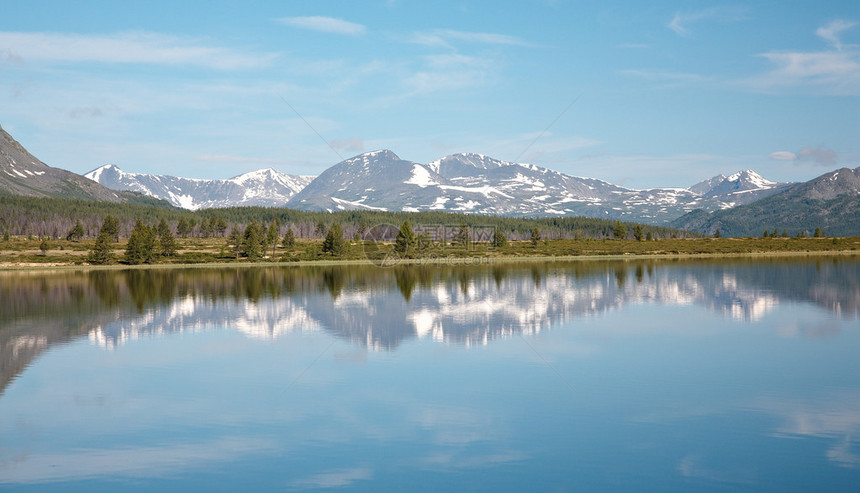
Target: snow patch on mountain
x,y
420,177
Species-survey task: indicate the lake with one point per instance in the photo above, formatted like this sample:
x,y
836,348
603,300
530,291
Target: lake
x,y
594,375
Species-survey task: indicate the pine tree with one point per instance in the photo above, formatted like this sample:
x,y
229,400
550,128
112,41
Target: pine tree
x,y
289,239
101,252
166,241
535,237
182,228
334,243
817,233
405,243
252,241
320,229
111,227
637,233
141,244
43,246
220,226
717,234
499,238
234,241
273,234
650,237
462,237
77,232
619,232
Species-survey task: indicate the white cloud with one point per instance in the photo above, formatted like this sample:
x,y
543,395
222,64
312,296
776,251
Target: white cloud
x,y
132,47
334,478
141,462
831,31
325,24
782,156
834,72
444,37
681,22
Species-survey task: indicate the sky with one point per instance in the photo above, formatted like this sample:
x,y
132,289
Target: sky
x,y
640,94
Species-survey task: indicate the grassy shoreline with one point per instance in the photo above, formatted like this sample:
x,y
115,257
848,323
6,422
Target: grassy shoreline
x,y
24,254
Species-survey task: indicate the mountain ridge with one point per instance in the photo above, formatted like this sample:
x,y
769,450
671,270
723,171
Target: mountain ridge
x,y
21,173
478,184
464,182
263,187
830,201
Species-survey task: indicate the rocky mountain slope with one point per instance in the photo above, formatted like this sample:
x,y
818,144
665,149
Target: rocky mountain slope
x,y
21,173
830,202
265,187
474,183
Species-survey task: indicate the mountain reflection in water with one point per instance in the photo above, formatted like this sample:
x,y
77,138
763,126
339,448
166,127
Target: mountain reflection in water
x,y
379,308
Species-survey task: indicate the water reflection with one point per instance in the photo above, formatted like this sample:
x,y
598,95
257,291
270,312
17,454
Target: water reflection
x,y
679,375
380,308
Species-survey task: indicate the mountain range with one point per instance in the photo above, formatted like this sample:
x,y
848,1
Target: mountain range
x,y
469,183
265,187
742,204
830,202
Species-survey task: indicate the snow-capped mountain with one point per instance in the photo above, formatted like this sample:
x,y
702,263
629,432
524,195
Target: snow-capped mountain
x,y
469,183
736,187
265,187
830,201
474,183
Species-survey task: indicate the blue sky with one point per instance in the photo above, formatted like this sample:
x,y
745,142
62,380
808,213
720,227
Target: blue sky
x,y
642,94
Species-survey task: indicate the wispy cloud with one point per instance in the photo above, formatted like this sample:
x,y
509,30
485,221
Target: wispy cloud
x,y
817,155
834,71
439,73
782,156
444,38
325,24
831,31
132,47
665,76
682,21
334,478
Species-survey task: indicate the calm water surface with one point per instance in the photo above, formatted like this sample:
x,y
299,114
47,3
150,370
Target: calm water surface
x,y
697,375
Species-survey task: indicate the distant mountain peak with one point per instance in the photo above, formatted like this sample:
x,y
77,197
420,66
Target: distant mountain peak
x,y
751,177
266,187
379,154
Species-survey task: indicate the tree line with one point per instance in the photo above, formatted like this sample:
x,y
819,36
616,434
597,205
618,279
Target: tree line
x,y
56,218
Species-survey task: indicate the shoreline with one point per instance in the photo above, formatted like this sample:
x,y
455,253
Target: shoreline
x,y
438,261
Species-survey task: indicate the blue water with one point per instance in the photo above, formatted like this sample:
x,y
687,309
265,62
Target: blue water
x,y
656,376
